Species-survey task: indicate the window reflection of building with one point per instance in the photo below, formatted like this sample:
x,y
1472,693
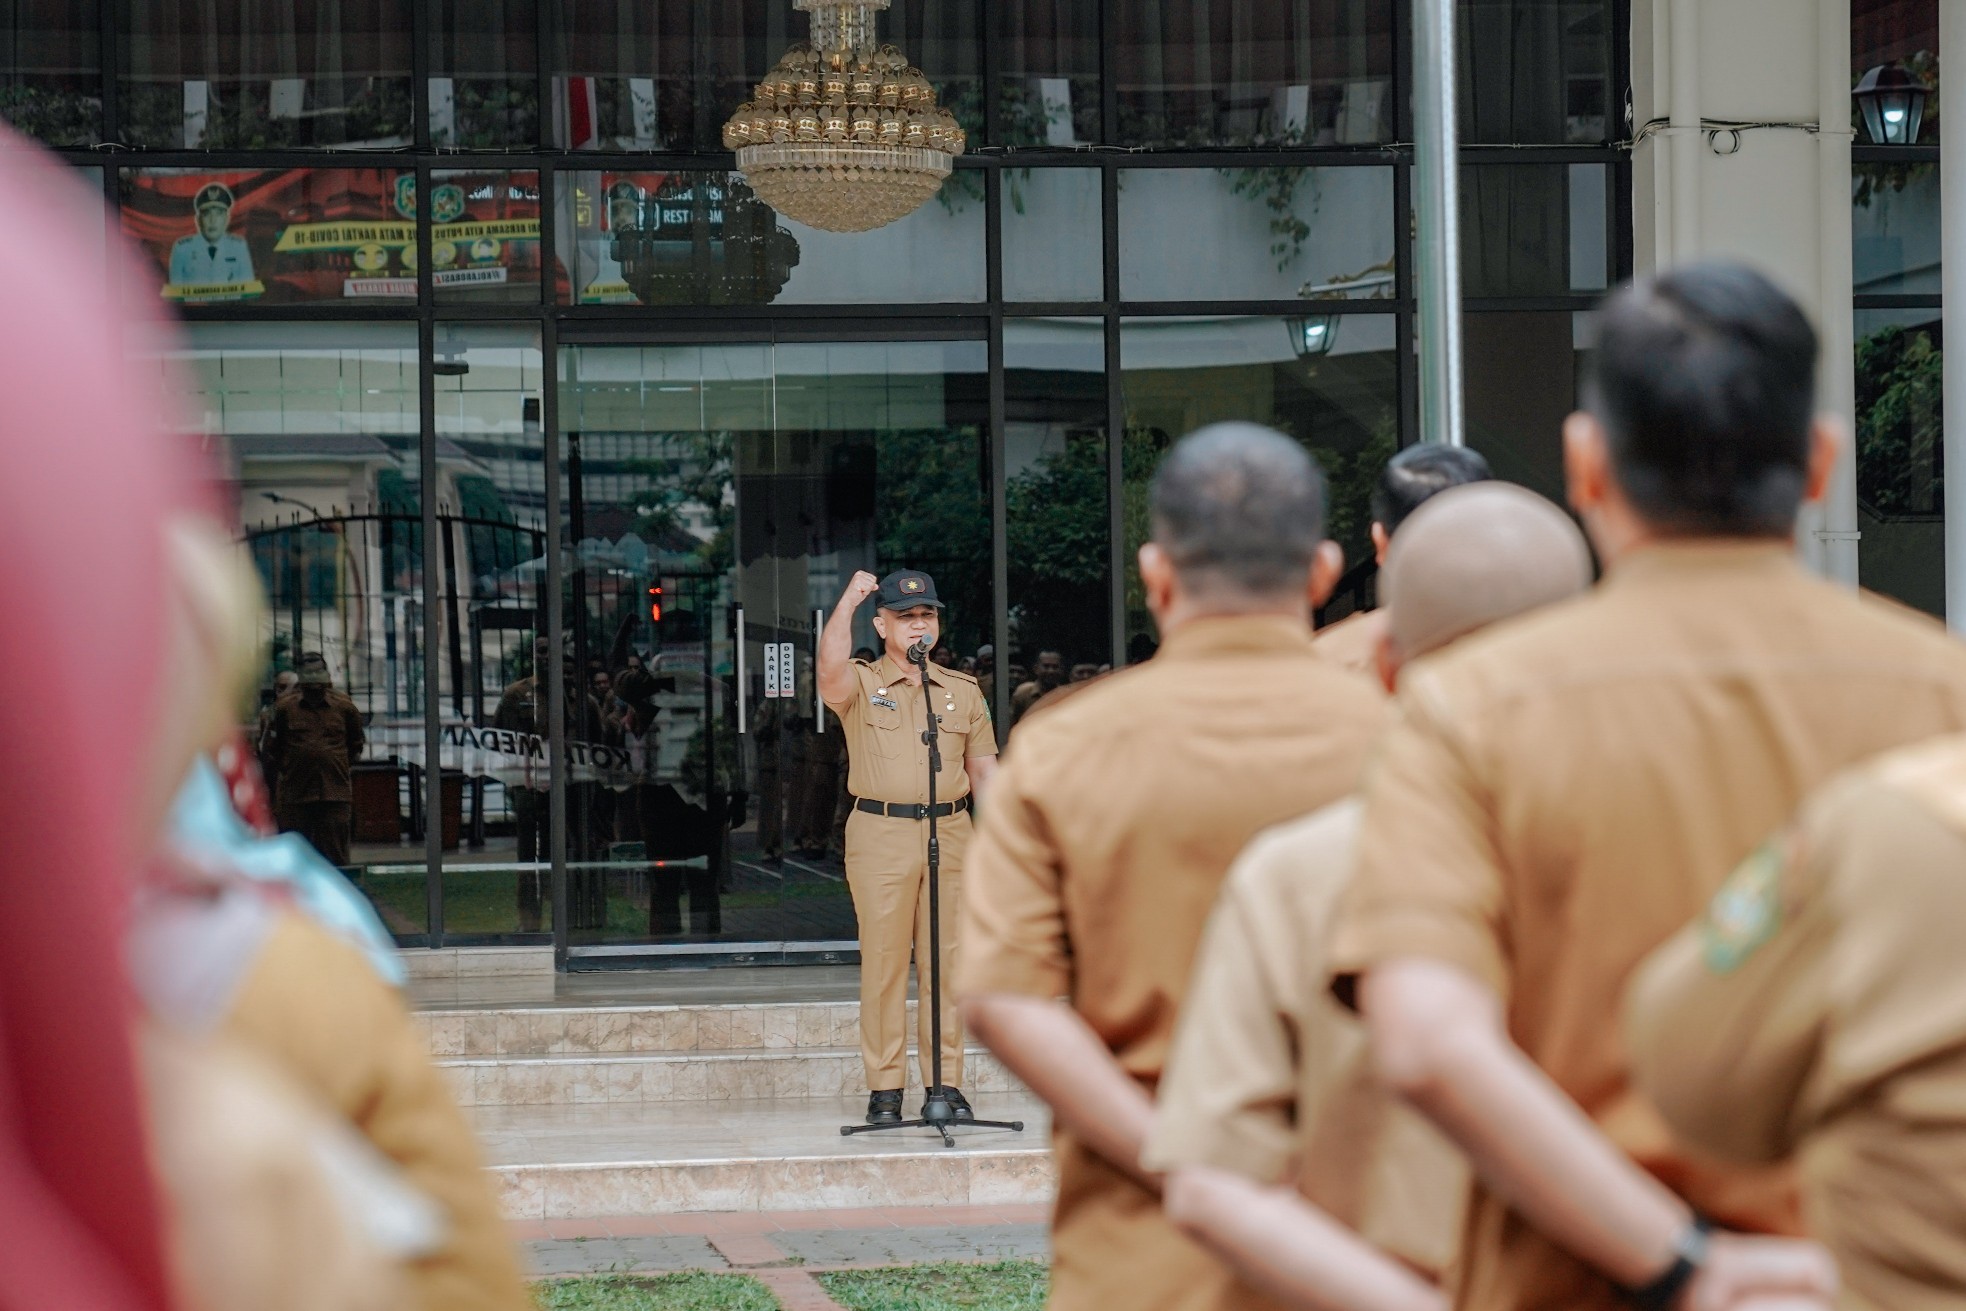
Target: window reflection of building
x,y
1179,374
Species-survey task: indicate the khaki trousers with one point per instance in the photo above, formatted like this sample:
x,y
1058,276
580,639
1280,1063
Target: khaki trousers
x,y
887,872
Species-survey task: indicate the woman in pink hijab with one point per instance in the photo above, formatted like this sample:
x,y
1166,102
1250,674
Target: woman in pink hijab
x,y
86,484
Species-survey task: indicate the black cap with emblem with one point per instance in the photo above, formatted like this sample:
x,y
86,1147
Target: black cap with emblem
x,y
904,588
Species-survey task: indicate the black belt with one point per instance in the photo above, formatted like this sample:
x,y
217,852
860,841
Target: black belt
x,y
912,810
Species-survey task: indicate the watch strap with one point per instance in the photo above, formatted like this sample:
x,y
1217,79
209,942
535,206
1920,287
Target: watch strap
x,y
1689,1254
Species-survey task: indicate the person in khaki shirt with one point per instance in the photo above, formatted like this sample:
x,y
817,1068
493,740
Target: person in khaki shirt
x,y
1558,797
1404,485
884,705
1270,1123
1818,1011
1110,828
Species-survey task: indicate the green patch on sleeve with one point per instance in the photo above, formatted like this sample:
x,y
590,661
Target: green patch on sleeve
x,y
1746,911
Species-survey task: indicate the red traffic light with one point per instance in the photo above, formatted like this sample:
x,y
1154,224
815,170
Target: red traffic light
x,y
655,604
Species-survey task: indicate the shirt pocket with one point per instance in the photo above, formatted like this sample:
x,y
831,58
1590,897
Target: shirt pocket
x,y
887,731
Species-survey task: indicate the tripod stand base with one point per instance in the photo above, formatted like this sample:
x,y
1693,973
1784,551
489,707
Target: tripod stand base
x,y
941,1126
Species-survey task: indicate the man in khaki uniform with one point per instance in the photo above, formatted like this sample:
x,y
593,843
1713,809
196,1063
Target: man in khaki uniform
x,y
1404,485
1269,1097
1112,824
1818,1010
1558,797
884,707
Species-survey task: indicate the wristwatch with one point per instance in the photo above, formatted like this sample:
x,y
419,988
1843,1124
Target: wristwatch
x,y
1689,1253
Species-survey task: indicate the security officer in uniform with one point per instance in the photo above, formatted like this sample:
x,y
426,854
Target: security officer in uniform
x,y
312,741
883,707
211,256
1817,1011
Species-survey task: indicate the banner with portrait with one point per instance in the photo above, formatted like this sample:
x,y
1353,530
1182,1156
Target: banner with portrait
x,y
285,236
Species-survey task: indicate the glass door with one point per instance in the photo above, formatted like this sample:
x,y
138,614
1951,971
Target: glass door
x,y
719,496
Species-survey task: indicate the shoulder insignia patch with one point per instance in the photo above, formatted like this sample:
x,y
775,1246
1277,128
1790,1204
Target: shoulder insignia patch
x,y
1746,911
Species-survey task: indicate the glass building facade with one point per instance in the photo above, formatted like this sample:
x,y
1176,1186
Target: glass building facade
x,y
460,419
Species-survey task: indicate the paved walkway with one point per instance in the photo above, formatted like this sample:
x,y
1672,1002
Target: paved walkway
x,y
783,1248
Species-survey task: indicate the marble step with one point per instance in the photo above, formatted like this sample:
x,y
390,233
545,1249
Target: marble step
x,y
607,1030
681,1077
766,1154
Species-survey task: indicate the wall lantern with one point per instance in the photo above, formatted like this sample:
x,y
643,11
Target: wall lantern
x,y
1893,105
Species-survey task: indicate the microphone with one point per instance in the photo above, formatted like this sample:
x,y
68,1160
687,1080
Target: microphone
x,y
919,651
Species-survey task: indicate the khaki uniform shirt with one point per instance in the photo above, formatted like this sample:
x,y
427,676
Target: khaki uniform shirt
x,y
314,1007
1819,1010
1353,642
1106,838
1269,1076
1560,794
312,747
886,757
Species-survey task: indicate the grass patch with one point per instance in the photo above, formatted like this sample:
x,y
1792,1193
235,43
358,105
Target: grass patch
x,y
942,1286
689,1291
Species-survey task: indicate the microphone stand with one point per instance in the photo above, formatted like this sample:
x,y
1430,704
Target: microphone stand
x,y
937,1113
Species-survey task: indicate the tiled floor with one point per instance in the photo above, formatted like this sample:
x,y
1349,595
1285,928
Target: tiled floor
x,y
668,987
808,1239
728,1130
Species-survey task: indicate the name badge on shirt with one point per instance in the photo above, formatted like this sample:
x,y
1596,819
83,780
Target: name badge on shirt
x,y
884,703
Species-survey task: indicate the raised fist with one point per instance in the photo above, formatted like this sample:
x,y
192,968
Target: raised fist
x,y
861,586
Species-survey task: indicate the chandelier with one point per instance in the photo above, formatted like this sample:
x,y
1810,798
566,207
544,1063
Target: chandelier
x,y
844,135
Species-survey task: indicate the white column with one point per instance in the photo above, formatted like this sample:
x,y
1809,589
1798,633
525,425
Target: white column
x,y
1775,197
1952,211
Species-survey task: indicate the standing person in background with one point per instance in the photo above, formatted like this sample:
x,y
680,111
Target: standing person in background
x,y
1409,478
522,708
313,740
884,707
1046,675
1558,797
1109,829
1284,1155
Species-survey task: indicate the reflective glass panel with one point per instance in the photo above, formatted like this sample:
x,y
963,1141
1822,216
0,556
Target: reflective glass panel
x,y
703,238
275,235
489,572
1256,233
1328,381
484,83
318,423
1535,71
1535,229
1060,525
1229,73
1053,240
625,76
212,75
719,497
1900,369
1895,235
51,70
484,239
1048,81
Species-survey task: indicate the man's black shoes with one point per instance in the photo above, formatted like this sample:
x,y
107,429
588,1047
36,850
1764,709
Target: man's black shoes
x,y
884,1107
957,1103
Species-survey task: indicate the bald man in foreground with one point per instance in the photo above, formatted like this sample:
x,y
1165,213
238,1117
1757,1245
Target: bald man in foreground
x,y
1284,1156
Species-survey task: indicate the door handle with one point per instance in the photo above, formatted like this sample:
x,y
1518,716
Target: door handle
x,y
818,702
743,676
